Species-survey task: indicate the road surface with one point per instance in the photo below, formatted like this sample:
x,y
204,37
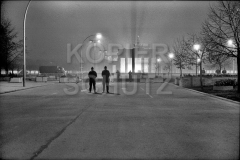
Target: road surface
x,y
46,123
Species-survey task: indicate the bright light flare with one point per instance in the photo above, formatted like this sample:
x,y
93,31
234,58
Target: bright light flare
x,y
230,43
99,36
196,47
171,55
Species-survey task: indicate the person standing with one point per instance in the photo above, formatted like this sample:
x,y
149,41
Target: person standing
x,y
118,75
130,76
92,80
77,79
105,75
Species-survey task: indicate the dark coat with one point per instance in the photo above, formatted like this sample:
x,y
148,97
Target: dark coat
x,y
92,74
105,75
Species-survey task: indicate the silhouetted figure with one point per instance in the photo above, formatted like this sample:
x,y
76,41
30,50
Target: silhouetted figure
x,y
92,80
118,75
130,76
105,75
77,79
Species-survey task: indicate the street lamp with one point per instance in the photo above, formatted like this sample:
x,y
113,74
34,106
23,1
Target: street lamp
x,y
24,44
158,60
171,56
230,43
197,48
98,36
198,60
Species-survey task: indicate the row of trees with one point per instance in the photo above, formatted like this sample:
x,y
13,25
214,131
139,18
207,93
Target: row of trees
x,y
11,50
218,40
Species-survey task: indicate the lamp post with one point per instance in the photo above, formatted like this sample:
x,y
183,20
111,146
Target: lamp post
x,y
171,56
233,66
230,44
196,47
158,62
199,60
98,36
24,43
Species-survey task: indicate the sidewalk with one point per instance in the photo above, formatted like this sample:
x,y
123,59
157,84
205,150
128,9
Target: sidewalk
x,y
6,87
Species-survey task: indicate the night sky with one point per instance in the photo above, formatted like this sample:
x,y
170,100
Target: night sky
x,y
52,25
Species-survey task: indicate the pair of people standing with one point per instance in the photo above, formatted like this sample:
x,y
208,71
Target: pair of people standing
x,y
92,79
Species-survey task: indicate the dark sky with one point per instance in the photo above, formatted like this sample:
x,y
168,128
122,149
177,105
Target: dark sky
x,y
51,25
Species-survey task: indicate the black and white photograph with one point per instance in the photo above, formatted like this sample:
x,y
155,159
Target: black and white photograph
x,y
119,80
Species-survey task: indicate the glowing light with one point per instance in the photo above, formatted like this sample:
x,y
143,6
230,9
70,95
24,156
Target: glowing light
x,y
196,46
159,60
198,60
99,36
230,43
171,55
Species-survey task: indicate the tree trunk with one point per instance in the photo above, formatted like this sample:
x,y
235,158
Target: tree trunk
x,y
220,68
196,65
201,76
196,69
238,69
180,72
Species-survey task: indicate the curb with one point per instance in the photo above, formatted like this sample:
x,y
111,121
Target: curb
x,y
210,95
22,89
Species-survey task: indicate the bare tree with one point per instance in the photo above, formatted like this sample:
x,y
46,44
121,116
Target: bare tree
x,y
196,55
10,48
182,58
222,28
218,60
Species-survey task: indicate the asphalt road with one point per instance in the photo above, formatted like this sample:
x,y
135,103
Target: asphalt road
x,y
46,123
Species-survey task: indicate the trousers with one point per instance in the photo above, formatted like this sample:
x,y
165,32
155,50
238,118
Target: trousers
x,y
105,83
92,82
